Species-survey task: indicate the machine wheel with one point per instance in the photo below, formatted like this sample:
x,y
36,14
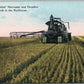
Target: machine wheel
x,y
69,36
44,39
65,39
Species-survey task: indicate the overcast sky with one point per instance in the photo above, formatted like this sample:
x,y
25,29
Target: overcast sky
x,y
34,19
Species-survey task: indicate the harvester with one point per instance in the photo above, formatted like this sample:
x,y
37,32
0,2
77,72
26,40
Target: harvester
x,y
56,33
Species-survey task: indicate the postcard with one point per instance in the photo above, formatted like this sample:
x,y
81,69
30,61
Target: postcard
x,y
41,41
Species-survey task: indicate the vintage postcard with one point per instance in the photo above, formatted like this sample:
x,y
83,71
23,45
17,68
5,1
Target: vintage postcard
x,y
41,41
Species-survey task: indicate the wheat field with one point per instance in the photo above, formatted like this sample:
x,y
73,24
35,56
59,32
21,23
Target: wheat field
x,y
27,60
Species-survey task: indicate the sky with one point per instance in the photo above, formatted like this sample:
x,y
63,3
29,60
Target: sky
x,y
34,19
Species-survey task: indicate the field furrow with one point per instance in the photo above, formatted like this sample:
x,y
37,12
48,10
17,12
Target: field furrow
x,y
68,74
45,60
19,68
80,67
63,67
74,66
27,60
56,65
59,68
12,65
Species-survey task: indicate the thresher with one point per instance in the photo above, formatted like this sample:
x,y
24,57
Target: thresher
x,y
56,33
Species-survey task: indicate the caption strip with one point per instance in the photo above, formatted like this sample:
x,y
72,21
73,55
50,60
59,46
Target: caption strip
x,y
16,8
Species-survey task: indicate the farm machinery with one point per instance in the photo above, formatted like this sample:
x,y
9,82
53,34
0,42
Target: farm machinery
x,y
56,33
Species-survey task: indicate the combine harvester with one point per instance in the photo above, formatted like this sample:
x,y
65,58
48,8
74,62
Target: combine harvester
x,y
57,32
